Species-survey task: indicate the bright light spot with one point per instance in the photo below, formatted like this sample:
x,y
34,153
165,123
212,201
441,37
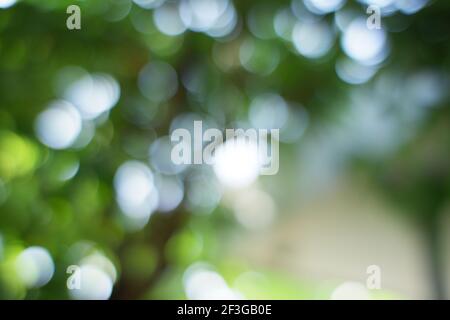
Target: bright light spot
x,y
7,3
254,209
135,191
93,95
35,267
268,111
59,125
237,162
148,4
324,6
158,81
170,191
410,6
312,39
353,72
202,283
350,291
217,18
225,24
95,284
201,15
364,45
168,21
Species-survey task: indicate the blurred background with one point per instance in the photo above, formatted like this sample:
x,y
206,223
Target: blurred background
x,y
88,192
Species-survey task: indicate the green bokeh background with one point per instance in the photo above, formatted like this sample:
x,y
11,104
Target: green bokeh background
x,y
38,209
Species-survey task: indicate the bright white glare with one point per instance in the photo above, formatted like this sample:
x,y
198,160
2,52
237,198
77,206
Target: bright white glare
x,y
167,20
171,192
148,4
410,6
201,15
268,111
353,72
202,283
225,24
7,3
135,191
350,291
158,81
364,45
35,267
59,125
254,209
95,284
93,94
313,39
324,6
237,163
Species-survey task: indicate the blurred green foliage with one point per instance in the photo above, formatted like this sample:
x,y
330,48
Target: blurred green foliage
x,y
40,208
